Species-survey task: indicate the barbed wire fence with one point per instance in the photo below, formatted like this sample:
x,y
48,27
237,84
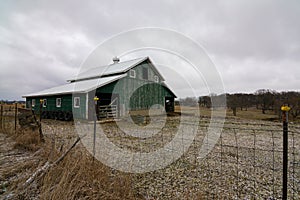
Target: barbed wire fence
x,y
246,163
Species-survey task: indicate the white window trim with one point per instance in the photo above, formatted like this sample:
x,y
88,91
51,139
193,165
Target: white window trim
x,y
134,74
45,103
58,105
156,79
76,106
33,103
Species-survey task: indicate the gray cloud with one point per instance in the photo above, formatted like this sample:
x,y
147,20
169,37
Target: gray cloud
x,y
254,44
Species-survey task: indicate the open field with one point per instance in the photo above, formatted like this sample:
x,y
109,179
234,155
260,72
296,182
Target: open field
x,y
250,113
245,163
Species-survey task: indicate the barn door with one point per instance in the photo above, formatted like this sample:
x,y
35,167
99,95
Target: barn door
x,y
169,104
108,106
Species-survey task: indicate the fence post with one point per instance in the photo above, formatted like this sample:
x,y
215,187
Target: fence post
x,y
40,121
40,110
16,116
285,112
1,116
95,120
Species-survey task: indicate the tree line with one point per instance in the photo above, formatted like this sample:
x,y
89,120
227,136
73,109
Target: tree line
x,y
263,99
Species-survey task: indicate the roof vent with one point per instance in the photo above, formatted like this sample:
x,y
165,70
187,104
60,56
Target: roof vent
x,y
116,59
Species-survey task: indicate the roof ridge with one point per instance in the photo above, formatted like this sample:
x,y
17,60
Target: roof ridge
x,y
107,69
114,63
121,62
76,87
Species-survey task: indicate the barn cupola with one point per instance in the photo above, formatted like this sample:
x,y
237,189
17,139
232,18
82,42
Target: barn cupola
x,y
116,59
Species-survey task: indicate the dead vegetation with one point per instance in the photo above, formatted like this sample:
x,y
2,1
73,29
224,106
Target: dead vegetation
x,y
238,167
58,168
78,176
27,140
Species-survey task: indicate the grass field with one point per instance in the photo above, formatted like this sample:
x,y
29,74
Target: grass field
x,y
250,113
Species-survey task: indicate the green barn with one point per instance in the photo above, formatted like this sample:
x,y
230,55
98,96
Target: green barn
x,y
109,91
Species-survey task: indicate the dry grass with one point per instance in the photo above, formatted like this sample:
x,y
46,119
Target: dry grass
x,y
250,113
253,113
27,140
7,107
78,176
81,177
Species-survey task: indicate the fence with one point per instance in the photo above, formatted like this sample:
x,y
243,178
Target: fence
x,y
8,117
246,163
250,155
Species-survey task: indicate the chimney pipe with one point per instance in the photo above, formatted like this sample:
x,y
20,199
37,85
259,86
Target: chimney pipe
x,y
116,59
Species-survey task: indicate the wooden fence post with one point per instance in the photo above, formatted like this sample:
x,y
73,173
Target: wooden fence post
x,y
40,121
16,116
1,116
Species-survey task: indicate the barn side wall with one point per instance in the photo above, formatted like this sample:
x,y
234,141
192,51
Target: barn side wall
x,y
80,112
136,94
67,102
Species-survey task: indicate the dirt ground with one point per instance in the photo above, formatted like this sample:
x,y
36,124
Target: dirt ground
x,y
244,164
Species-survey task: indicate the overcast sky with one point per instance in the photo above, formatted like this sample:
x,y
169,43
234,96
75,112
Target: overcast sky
x,y
254,44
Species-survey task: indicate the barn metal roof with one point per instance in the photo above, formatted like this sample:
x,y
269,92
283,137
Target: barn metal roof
x,y
77,87
115,68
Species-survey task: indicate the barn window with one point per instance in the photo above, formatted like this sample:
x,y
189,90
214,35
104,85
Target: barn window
x,y
145,73
156,79
76,102
28,104
132,73
58,102
44,102
33,103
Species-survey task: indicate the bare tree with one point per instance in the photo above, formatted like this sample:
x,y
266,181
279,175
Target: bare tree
x,y
265,98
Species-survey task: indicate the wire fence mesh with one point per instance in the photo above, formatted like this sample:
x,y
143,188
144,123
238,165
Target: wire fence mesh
x,y
246,162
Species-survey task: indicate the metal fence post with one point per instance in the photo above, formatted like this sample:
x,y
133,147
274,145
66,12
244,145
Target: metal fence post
x,y
285,112
95,120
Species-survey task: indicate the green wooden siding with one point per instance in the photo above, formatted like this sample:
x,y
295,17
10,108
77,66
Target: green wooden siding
x,y
135,93
66,103
80,113
146,96
139,72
